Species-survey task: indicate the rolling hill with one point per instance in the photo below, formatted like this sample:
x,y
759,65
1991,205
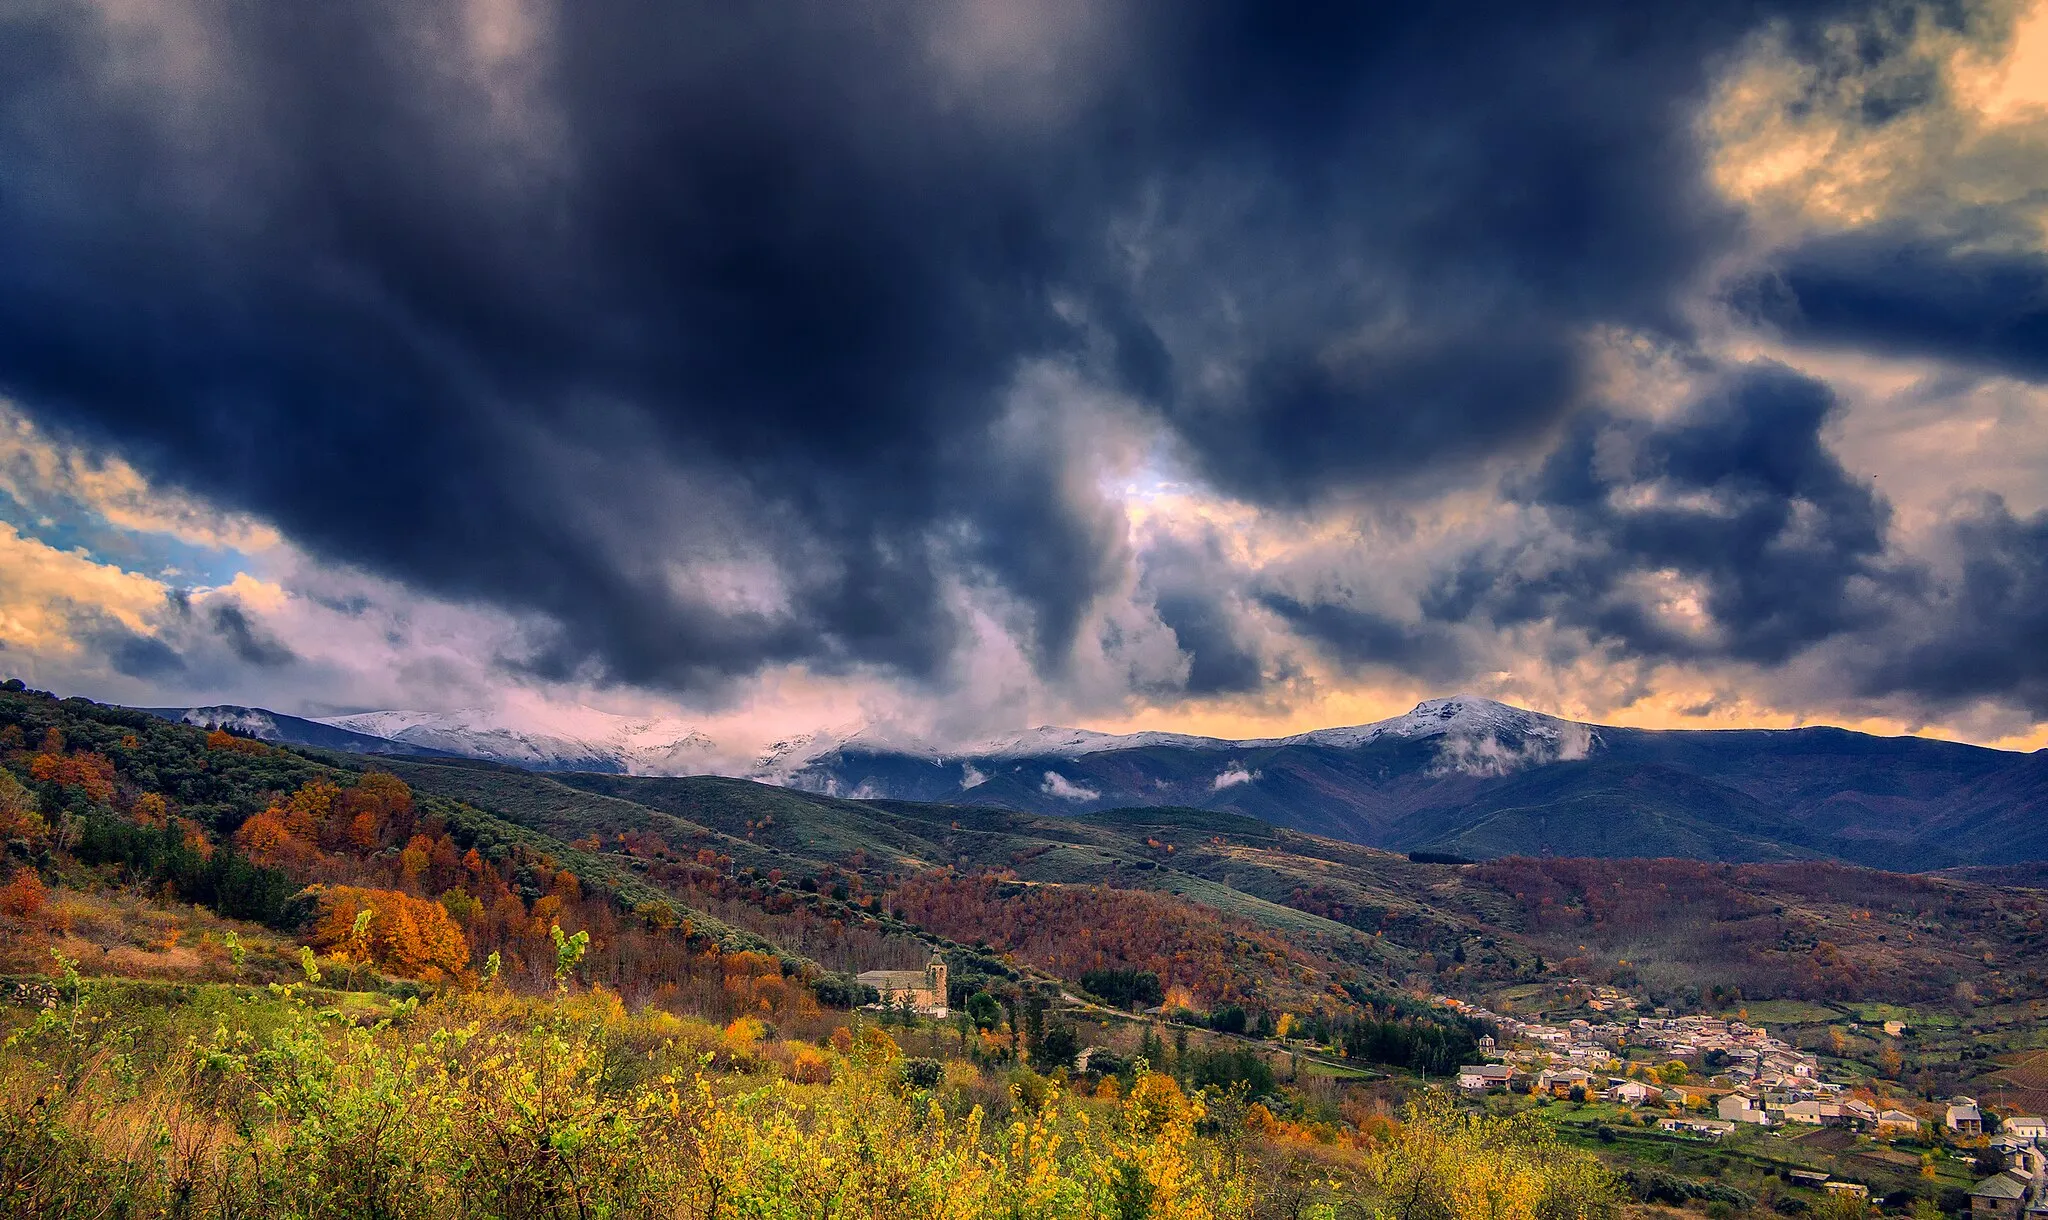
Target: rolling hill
x,y
1470,777
1459,776
1230,907
1808,929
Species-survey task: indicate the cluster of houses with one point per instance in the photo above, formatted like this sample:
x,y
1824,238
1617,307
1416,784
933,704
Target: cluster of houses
x,y
1771,1080
2020,1190
1759,1080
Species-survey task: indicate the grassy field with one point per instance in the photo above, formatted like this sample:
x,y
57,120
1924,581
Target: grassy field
x,y
1789,1012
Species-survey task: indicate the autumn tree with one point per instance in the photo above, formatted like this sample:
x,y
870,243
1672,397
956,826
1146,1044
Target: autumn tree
x,y
92,773
19,818
405,935
23,896
151,810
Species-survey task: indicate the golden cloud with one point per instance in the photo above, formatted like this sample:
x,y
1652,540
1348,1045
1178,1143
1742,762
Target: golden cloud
x,y
47,595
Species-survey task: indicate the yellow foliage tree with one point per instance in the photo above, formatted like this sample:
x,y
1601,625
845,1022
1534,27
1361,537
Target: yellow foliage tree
x,y
1444,1165
151,810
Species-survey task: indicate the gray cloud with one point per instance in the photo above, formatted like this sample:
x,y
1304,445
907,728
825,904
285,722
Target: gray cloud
x,y
695,332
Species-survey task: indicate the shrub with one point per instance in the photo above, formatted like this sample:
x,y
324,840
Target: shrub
x,y
485,1104
808,1065
921,1073
23,896
873,1046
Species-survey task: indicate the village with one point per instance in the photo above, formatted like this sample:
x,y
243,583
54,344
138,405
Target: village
x,y
1709,1077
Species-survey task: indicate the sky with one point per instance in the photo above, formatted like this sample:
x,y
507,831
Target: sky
x,y
964,365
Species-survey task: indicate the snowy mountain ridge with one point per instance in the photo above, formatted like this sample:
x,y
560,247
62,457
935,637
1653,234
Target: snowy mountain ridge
x,y
1480,736
570,739
265,725
1460,716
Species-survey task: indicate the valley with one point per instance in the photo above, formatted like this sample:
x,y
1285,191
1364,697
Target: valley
x,y
1459,776
1320,981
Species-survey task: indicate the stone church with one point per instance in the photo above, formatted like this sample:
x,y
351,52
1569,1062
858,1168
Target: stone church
x,y
924,990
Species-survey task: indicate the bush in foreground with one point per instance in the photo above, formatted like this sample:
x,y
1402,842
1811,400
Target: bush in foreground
x,y
484,1104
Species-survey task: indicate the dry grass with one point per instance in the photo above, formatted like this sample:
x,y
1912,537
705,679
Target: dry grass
x,y
128,934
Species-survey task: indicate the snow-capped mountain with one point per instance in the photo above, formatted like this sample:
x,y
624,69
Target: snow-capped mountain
x,y
1457,716
1053,741
1460,716
1456,739
562,739
265,725
1463,776
1470,736
783,759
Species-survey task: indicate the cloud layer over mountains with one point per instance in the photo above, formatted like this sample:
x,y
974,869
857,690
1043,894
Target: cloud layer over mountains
x,y
1210,362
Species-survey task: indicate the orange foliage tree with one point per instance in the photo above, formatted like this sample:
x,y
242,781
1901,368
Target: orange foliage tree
x,y
92,772
406,935
22,897
151,810
221,739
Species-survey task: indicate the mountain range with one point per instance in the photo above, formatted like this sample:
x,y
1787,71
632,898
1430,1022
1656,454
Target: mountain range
x,y
1462,776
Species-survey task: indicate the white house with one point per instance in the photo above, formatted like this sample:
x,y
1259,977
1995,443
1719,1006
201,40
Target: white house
x,y
1964,1117
1635,1093
1818,1113
1737,1108
2026,1128
1478,1078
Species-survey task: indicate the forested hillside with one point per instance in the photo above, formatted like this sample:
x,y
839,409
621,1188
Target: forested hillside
x,y
239,978
1475,778
363,965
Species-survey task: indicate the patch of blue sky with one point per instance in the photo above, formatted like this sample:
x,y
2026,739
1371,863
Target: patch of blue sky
x,y
69,527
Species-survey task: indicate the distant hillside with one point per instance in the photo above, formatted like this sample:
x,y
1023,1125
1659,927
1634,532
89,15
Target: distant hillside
x,y
1228,908
1476,778
1801,929
1461,776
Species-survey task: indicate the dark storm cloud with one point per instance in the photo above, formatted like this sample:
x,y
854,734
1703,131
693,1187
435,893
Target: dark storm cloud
x,y
1404,226
1737,496
1191,584
441,318
1984,631
245,640
1357,637
1736,502
1905,295
138,656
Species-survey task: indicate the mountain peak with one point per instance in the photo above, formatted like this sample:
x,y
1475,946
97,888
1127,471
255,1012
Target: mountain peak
x,y
576,738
